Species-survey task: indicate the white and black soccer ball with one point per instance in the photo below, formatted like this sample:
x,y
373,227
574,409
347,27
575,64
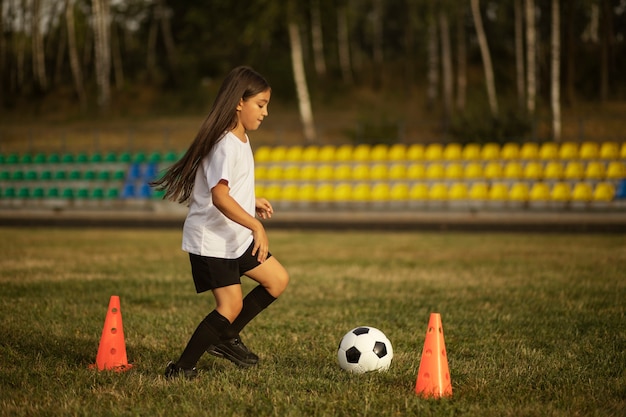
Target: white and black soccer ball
x,y
364,349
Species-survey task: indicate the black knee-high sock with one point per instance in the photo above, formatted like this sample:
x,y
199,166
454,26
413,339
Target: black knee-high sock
x,y
256,301
209,332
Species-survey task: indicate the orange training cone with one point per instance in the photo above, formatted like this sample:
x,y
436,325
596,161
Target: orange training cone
x,y
112,350
433,377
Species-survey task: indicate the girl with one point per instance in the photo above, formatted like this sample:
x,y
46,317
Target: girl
x,y
223,237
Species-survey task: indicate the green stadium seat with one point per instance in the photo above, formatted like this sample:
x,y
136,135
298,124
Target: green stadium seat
x,y
139,157
110,157
171,157
53,192
24,192
30,175
68,193
104,175
82,193
38,192
9,192
119,175
96,158
40,158
53,158
89,175
5,175
45,175
26,158
81,158
125,157
17,175
97,193
154,157
113,193
67,158
74,175
12,159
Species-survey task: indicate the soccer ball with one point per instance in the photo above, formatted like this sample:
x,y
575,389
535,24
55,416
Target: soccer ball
x,y
364,349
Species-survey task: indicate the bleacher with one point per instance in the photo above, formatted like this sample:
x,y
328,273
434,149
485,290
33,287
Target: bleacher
x,y
547,176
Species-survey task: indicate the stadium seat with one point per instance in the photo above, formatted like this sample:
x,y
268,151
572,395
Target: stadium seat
x,y
529,151
379,172
324,172
498,192
361,192
342,192
519,192
326,154
574,170
81,158
361,172
97,193
38,193
52,192
278,154
23,192
433,152
589,150
397,152
291,173
493,170
26,159
594,171
379,153
582,192
289,193
113,194
513,170
473,171
89,175
454,171
458,191
46,175
561,192
418,191
479,191
616,170
568,150
533,171
416,171
609,150
603,192
361,153
539,192
622,152
308,172
549,151
435,171
12,158
294,154
125,157
553,171
438,191
110,157
68,193
399,192
139,157
260,172
262,154
82,193
415,152
490,151
510,151
272,192
60,175
39,158
95,158
397,171
17,175
620,193
452,152
342,172
471,152
344,153
30,175
380,192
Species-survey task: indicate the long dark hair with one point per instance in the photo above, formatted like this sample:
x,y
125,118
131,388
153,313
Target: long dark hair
x,y
241,83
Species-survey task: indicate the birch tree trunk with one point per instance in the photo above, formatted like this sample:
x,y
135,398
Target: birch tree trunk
x,y
304,101
446,63
461,59
486,57
77,74
343,45
531,54
555,78
317,39
519,52
39,59
102,51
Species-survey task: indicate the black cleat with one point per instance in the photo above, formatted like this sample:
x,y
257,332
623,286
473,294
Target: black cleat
x,y
173,371
235,351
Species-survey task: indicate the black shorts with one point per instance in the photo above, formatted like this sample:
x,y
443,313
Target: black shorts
x,y
210,273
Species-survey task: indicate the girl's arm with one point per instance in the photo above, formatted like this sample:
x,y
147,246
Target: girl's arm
x,y
231,209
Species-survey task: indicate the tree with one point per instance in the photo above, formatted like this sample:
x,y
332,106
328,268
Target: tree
x,y
77,74
519,51
531,55
317,39
304,102
39,59
102,41
555,78
446,62
343,44
486,57
461,58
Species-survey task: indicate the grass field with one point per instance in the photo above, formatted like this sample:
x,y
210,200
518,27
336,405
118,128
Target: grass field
x,y
534,324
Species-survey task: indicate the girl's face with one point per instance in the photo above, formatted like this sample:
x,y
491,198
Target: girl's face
x,y
252,111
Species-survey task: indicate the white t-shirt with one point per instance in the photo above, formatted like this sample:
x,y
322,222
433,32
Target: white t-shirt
x,y
208,232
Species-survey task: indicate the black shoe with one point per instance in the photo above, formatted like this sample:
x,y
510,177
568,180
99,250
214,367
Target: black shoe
x,y
235,351
172,370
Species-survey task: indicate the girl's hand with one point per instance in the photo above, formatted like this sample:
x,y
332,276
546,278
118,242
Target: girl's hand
x,y
263,208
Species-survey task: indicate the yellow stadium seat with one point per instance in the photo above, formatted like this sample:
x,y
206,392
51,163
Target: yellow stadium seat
x,y
325,193
548,151
262,154
479,191
529,151
361,172
510,150
533,171
574,170
306,193
560,192
416,171
438,191
294,154
582,192
493,170
498,192
616,170
309,154
380,192
291,173
609,150
343,172
589,150
289,192
399,192
454,171
308,172
473,170
344,153
458,191
379,153
471,152
490,151
452,152
415,152
272,192
595,171
513,170
433,152
418,191
361,192
435,171
324,172
603,192
361,153
379,172
342,192
397,152
622,152
398,172
326,154
568,150
260,172
278,154
519,192
539,191
553,171
259,190
274,173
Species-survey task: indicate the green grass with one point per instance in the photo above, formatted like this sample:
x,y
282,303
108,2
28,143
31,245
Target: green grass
x,y
534,324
